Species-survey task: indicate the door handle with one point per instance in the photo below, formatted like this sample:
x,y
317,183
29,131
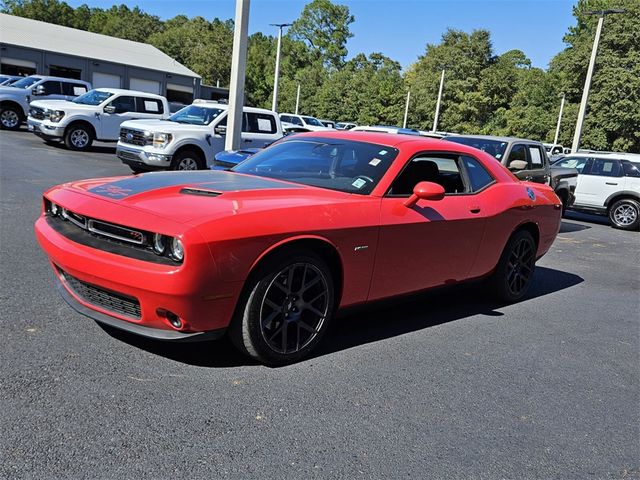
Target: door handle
x,y
610,183
475,209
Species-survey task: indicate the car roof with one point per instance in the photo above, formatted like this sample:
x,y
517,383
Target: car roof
x,y
225,106
124,90
617,155
496,138
60,79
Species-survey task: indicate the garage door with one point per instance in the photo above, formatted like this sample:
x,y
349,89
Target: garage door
x,y
105,80
148,86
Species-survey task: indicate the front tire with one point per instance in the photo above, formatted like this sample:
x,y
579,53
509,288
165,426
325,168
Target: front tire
x,y
625,214
289,305
10,118
512,277
187,160
78,137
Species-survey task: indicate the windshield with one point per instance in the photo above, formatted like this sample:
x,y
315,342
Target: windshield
x,y
195,115
312,121
92,97
343,165
495,148
26,82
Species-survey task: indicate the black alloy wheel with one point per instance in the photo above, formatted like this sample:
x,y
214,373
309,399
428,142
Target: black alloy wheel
x,y
512,277
287,311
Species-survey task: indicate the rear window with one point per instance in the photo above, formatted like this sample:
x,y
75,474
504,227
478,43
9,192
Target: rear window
x,y
149,105
259,123
631,169
73,89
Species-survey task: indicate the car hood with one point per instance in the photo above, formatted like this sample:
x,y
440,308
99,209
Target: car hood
x,y
202,196
160,125
62,104
13,90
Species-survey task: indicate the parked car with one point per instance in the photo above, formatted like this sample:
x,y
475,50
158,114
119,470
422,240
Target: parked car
x,y
15,98
328,123
270,250
96,115
230,158
553,149
345,125
385,129
312,124
291,128
9,79
189,139
527,159
608,184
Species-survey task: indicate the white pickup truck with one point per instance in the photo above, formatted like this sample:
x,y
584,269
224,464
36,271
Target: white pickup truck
x,y
96,115
191,137
15,98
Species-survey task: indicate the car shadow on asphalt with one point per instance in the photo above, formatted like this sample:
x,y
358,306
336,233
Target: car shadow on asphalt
x,y
92,149
372,323
570,227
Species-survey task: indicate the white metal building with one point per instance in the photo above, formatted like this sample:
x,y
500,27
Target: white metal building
x,y
32,47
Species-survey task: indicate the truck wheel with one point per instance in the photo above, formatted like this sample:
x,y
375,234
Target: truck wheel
x,y
187,160
10,118
625,214
78,137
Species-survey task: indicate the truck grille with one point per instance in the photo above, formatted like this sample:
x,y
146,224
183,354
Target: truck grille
x,y
37,112
123,154
103,298
133,137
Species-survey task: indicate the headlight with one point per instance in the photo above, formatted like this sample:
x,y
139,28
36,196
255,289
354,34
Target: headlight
x,y
177,249
161,140
56,115
159,243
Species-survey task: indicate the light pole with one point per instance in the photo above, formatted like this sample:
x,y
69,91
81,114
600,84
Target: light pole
x,y
555,139
238,68
280,26
587,82
406,110
298,99
435,119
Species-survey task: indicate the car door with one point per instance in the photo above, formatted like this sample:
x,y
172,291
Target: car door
x,y
50,89
432,242
579,163
539,164
518,152
258,129
118,110
601,178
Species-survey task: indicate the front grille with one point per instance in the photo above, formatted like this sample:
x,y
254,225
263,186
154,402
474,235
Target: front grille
x,y
133,137
128,156
103,298
37,112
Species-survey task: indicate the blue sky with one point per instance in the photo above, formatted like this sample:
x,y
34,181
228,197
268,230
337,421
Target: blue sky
x,y
401,29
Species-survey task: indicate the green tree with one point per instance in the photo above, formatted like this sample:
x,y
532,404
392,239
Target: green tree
x,y
325,27
51,11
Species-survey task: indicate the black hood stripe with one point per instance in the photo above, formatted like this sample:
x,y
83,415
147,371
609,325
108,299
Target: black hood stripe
x,y
218,181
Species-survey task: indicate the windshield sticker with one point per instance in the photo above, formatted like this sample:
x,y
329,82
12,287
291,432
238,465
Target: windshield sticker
x,y
375,162
150,106
382,152
264,125
359,183
79,90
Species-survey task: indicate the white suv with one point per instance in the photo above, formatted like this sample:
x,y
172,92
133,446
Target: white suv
x,y
96,115
191,137
312,124
608,183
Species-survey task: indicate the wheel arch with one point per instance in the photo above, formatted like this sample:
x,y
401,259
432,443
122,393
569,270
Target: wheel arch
x,y
531,227
319,245
84,123
194,148
14,104
613,198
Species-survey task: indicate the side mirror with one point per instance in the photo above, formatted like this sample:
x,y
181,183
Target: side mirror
x,y
110,109
39,90
518,165
425,191
220,130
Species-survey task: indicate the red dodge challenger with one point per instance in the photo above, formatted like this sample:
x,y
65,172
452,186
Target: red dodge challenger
x,y
268,251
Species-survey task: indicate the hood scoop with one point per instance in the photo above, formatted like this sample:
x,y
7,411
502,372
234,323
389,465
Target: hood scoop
x,y
200,191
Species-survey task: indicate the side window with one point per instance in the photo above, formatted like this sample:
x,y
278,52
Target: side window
x,y
285,118
518,152
259,123
73,89
296,121
442,170
631,169
577,163
124,104
537,157
478,175
149,105
51,87
605,168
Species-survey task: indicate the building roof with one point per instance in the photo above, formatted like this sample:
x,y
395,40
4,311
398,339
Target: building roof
x,y
24,32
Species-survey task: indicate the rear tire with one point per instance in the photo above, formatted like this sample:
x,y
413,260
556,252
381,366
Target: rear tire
x,y
625,214
78,137
187,160
10,118
286,309
512,277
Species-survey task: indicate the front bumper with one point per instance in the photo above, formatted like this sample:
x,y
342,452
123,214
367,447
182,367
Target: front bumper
x,y
191,291
45,130
139,158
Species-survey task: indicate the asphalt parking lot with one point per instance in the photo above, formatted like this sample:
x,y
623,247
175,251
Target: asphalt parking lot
x,y
444,385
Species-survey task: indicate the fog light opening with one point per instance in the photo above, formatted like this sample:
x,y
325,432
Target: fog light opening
x,y
174,320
